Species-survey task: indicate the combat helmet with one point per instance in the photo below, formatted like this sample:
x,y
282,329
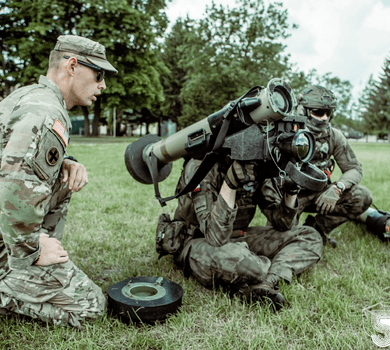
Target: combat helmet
x,y
316,97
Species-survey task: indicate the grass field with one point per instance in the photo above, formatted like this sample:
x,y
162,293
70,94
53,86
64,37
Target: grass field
x,y
110,235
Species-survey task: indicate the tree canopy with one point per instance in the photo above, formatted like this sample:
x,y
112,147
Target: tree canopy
x,y
224,54
129,29
184,74
375,103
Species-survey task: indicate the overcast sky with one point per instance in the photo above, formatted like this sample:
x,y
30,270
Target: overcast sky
x,y
348,38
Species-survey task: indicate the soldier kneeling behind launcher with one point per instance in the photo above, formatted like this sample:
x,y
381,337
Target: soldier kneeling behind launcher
x,y
211,239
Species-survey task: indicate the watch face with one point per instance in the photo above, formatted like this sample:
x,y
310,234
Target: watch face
x,y
339,186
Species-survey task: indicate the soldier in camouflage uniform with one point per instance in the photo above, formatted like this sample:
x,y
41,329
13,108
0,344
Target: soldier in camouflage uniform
x,y
37,179
341,200
219,246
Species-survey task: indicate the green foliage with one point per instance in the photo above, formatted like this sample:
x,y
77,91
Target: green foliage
x,y
375,103
173,78
199,67
219,57
129,30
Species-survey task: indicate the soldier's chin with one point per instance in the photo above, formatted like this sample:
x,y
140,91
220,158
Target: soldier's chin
x,y
87,102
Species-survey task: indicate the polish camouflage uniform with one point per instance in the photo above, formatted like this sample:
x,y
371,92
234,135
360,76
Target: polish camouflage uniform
x,y
220,247
34,134
332,148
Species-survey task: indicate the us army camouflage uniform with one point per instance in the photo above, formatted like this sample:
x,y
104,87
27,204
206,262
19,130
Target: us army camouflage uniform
x,y
34,134
355,199
221,248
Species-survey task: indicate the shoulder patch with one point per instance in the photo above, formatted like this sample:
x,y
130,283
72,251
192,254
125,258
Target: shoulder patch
x,y
53,156
200,203
60,129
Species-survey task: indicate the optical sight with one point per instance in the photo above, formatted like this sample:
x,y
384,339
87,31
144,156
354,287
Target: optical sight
x,y
260,125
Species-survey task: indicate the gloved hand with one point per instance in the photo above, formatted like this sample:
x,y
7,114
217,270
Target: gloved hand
x,y
327,200
240,173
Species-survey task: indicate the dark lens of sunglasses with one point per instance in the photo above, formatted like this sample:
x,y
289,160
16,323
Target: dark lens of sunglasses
x,y
100,75
321,112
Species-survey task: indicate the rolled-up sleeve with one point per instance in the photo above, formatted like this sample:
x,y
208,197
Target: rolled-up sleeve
x,y
213,214
273,206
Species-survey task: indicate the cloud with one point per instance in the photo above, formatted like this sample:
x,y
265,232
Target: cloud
x,y
347,38
344,37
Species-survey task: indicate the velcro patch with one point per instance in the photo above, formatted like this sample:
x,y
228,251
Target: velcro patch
x,y
60,129
200,203
52,156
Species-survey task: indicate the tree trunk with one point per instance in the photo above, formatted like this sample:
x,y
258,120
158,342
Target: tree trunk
x,y
86,120
97,109
159,126
7,87
119,118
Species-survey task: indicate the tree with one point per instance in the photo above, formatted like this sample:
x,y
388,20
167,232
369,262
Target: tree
x,y
375,103
174,77
129,29
223,55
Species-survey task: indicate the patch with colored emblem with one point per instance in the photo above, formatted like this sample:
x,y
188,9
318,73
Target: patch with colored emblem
x,y
52,156
61,131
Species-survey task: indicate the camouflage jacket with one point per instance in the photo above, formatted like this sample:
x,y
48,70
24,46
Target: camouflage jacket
x,y
333,144
34,134
206,210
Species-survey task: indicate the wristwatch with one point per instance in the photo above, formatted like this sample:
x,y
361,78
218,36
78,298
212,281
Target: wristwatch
x,y
340,186
71,158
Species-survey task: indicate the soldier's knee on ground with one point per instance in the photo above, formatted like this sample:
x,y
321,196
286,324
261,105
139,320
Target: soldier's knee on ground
x,y
367,197
230,263
360,199
252,268
311,239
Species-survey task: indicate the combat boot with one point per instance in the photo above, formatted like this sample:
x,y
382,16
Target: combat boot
x,y
311,221
268,290
378,222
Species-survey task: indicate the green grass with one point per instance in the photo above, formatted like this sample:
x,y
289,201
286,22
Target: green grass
x,y
110,234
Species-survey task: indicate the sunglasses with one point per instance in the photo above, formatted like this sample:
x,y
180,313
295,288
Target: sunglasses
x,y
100,72
321,112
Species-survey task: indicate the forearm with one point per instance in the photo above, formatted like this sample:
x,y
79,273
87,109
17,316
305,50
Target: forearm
x,y
351,177
279,208
228,195
290,200
281,216
217,225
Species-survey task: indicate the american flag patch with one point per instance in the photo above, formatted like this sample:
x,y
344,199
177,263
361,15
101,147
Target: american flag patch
x,y
60,129
197,189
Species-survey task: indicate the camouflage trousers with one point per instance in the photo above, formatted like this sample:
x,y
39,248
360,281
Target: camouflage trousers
x,y
353,202
248,259
61,293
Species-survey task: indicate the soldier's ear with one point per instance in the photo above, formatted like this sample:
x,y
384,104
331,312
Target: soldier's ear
x,y
71,64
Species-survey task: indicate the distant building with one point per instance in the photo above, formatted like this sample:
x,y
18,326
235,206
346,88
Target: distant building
x,y
78,124
78,127
168,128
